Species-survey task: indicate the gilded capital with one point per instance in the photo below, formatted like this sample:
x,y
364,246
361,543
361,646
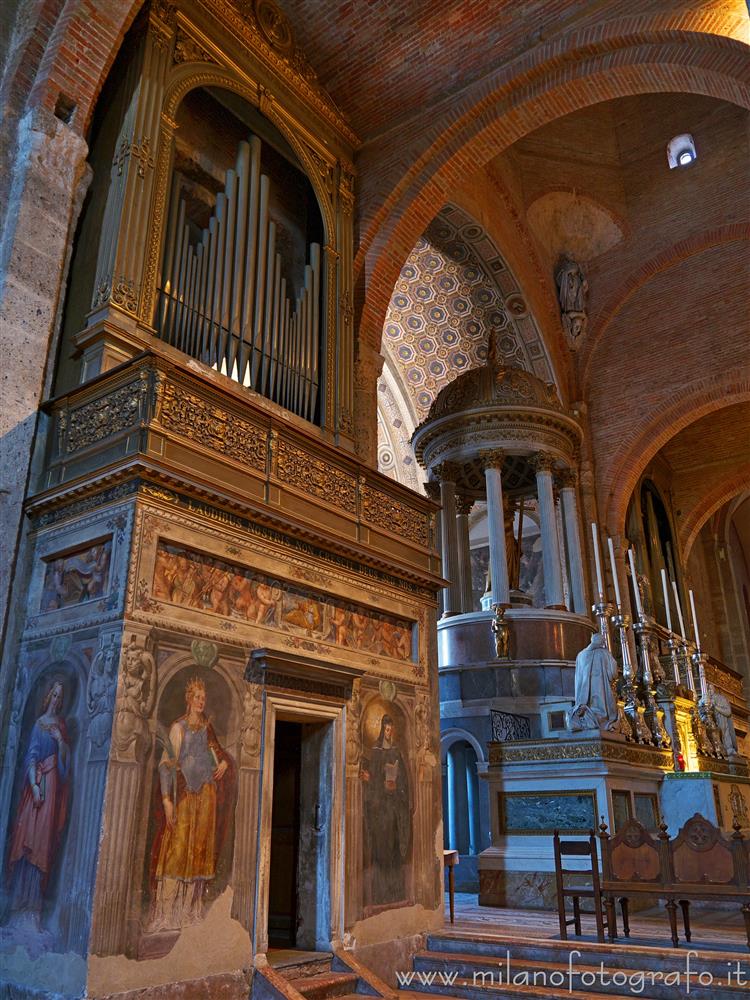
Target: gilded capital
x,y
493,459
566,479
464,503
447,472
432,489
543,462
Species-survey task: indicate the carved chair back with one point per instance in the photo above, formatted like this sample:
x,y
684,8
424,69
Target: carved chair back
x,y
702,855
633,855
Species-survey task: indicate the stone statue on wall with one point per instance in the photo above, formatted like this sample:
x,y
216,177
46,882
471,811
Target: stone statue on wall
x,y
724,723
595,703
572,293
135,701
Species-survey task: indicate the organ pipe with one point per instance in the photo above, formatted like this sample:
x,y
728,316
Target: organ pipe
x,y
226,301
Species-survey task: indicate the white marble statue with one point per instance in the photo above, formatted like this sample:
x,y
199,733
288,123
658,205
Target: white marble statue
x,y
723,715
595,703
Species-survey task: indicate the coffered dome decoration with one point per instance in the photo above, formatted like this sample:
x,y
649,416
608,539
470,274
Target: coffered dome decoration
x,y
454,294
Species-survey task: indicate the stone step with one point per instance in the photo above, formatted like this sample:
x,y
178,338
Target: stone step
x,y
465,990
636,956
325,985
631,982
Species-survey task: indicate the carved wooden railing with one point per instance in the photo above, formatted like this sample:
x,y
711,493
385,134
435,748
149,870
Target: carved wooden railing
x,y
196,432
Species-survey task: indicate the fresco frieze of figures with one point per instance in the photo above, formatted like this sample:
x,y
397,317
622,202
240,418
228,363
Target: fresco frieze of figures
x,y
195,580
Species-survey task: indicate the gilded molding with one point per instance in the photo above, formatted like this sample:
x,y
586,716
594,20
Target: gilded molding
x,y
211,426
298,468
382,510
189,50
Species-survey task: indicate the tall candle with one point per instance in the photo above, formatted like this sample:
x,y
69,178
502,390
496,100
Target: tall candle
x,y
666,598
704,686
615,581
636,589
695,620
598,561
679,610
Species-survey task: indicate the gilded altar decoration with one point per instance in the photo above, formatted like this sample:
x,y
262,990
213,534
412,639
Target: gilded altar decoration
x,y
196,580
77,577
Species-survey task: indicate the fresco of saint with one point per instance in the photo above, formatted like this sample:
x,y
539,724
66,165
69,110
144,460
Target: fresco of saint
x,y
195,779
42,810
387,817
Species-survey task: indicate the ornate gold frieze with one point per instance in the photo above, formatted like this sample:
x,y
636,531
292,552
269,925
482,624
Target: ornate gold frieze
x,y
500,753
313,475
384,511
211,426
101,418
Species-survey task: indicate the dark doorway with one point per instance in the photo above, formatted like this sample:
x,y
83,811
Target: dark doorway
x,y
285,830
299,904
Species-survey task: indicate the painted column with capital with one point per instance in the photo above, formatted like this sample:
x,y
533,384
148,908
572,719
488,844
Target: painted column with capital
x,y
553,582
569,505
463,509
447,473
493,467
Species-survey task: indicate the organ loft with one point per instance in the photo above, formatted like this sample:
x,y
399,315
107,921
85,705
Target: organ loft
x,y
374,482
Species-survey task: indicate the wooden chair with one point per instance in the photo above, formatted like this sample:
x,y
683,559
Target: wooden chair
x,y
580,849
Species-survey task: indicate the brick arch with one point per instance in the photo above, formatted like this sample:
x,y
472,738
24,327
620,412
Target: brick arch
x,y
663,261
604,66
724,491
79,53
646,438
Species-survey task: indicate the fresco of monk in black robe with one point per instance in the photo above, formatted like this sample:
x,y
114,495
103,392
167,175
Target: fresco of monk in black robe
x,y
387,827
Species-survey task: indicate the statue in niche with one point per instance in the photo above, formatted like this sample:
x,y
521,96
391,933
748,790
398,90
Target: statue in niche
x,y
572,293
42,810
194,784
724,723
387,816
595,703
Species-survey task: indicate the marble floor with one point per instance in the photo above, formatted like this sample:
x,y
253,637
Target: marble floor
x,y
712,928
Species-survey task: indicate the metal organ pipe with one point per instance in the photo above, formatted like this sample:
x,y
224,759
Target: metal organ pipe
x,y
226,299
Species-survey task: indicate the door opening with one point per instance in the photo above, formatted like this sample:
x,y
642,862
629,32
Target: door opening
x,y
299,903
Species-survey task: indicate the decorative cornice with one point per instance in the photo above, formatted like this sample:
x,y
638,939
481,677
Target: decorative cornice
x,y
500,753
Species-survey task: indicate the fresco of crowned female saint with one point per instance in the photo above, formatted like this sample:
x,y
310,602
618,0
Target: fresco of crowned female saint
x,y
387,810
42,810
196,778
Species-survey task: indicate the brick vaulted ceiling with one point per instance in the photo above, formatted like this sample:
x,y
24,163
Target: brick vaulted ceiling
x,y
384,61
